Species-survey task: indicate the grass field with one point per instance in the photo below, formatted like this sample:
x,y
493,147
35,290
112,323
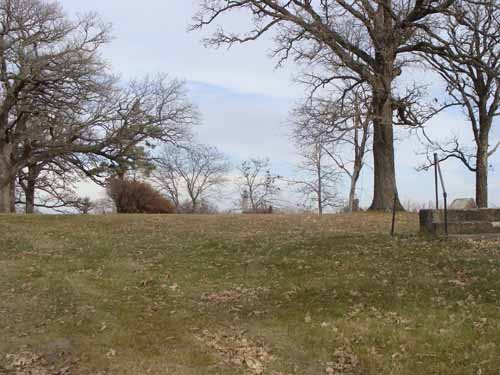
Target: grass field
x,y
244,295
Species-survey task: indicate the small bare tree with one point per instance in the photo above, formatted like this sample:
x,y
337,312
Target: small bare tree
x,y
342,127
320,179
193,170
84,205
258,185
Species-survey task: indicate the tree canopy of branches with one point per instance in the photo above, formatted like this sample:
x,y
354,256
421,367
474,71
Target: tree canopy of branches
x,y
46,64
341,127
257,185
48,185
60,106
319,184
467,57
364,41
194,170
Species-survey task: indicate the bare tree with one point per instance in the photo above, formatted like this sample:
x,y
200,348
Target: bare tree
x,y
85,205
341,127
58,101
112,135
320,179
48,185
467,57
147,113
194,170
166,177
364,41
257,185
46,61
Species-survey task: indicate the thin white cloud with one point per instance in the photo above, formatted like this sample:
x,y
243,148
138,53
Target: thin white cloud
x,y
244,100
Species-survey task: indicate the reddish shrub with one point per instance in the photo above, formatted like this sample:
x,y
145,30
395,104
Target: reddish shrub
x,y
131,197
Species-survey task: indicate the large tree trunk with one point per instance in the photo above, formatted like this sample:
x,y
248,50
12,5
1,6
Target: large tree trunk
x,y
13,194
5,177
482,176
384,184
30,187
481,136
30,194
352,190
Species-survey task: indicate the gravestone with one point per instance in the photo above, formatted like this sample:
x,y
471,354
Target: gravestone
x,y
245,202
465,221
463,204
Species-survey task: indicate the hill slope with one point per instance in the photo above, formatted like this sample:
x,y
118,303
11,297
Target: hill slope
x,y
244,294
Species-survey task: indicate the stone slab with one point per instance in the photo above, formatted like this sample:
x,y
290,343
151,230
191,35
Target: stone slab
x,y
463,204
461,221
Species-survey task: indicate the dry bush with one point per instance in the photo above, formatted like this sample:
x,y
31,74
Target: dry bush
x,y
132,196
204,206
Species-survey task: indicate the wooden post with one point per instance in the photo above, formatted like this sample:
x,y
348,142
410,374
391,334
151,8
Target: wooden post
x,y
394,207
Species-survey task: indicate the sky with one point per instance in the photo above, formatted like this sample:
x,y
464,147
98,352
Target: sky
x,y
244,100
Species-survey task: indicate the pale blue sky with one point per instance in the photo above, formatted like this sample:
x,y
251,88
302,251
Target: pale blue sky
x,y
243,99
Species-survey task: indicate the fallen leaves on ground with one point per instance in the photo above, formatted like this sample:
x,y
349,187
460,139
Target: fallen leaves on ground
x,y
29,363
234,294
344,362
237,350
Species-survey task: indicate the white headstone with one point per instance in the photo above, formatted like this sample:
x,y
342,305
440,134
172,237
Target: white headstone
x,y
245,202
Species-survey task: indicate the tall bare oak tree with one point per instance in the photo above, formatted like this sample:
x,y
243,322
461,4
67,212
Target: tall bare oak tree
x,y
369,40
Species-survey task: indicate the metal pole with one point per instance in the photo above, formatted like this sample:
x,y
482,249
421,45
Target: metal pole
x,y
436,179
445,197
442,181
393,227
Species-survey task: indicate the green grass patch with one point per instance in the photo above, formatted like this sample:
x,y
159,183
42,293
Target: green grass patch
x,y
244,294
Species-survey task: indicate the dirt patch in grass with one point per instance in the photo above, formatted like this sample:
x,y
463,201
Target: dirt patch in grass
x,y
233,295
237,350
57,359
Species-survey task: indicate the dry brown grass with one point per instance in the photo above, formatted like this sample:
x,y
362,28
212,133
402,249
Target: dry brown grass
x,y
245,294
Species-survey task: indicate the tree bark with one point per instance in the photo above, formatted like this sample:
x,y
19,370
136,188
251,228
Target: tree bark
x,y
30,194
34,171
13,194
352,190
5,177
359,154
482,176
384,184
320,182
481,137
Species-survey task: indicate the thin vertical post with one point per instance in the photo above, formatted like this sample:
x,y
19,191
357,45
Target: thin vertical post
x,y
394,206
445,197
436,166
